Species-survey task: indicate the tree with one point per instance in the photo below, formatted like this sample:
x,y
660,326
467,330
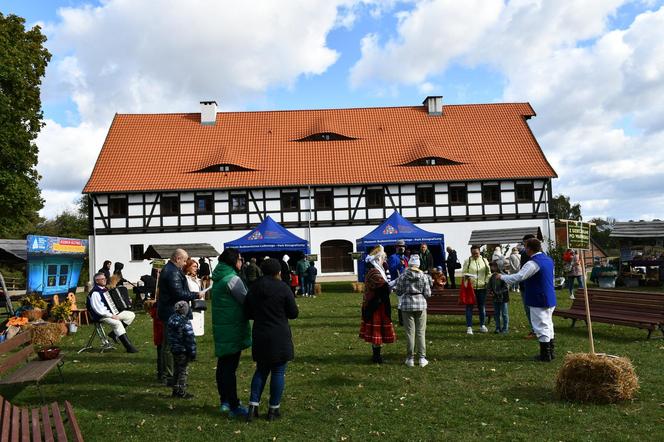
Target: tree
x,y
601,234
561,208
23,61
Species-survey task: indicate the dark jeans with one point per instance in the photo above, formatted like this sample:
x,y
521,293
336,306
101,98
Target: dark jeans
x,y
570,283
180,362
480,296
311,286
502,316
277,383
226,379
303,286
451,280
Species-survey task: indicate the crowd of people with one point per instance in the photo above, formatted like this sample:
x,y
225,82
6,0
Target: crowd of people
x,y
412,277
243,291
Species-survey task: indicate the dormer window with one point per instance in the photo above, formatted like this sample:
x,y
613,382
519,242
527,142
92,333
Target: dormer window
x,y
224,168
433,161
326,136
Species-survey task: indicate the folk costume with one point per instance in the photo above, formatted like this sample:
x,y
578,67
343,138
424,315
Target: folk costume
x,y
376,326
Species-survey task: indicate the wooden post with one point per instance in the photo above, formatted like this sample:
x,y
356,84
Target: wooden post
x,y
585,294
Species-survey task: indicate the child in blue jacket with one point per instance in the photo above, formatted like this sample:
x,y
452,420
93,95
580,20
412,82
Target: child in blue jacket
x,y
182,343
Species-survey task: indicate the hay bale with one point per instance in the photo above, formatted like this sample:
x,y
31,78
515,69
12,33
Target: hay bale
x,y
597,378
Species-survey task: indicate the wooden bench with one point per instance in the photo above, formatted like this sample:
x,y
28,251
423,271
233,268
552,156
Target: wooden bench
x,y
621,307
446,302
17,358
44,423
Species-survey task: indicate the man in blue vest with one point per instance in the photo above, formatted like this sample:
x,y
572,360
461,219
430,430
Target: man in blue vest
x,y
540,296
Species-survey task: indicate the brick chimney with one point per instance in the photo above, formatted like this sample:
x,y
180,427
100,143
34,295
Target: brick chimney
x,y
208,113
434,104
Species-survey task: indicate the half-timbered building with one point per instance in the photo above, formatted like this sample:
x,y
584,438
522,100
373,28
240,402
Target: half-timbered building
x,y
330,176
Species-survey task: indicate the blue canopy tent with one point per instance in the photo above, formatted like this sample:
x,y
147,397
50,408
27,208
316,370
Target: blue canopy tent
x,y
394,228
269,236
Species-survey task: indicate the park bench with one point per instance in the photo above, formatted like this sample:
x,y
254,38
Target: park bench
x,y
17,358
43,423
621,307
446,302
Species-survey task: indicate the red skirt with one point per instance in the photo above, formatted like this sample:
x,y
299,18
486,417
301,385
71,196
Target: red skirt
x,y
380,330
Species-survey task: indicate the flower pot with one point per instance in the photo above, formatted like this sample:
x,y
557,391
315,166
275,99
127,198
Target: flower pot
x,y
33,315
73,328
607,282
48,353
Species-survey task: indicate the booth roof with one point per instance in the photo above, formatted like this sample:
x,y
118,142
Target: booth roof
x,y
397,227
638,229
269,235
503,236
13,251
164,251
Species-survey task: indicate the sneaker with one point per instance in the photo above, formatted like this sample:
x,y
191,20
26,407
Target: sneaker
x,y
410,362
530,335
483,329
571,297
423,362
469,331
225,408
240,411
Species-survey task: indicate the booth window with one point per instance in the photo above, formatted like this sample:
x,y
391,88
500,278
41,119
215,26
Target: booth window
x,y
324,200
64,273
52,273
170,205
117,207
524,193
375,198
491,194
238,203
204,204
458,195
424,196
137,252
290,201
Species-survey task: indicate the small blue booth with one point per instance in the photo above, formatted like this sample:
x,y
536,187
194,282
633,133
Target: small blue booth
x,y
54,264
394,228
269,236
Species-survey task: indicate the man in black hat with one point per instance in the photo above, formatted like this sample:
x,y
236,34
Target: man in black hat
x,y
397,262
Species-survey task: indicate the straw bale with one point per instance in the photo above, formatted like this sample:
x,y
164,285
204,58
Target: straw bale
x,y
597,378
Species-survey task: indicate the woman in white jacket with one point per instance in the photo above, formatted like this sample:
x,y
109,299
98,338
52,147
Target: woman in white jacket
x,y
515,266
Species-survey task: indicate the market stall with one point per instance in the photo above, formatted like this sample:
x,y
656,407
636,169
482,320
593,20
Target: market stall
x,y
270,238
641,252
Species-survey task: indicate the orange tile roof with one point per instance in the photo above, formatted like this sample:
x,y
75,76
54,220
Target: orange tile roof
x,y
152,152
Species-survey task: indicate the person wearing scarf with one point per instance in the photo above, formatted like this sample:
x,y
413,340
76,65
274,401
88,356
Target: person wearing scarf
x,y
376,327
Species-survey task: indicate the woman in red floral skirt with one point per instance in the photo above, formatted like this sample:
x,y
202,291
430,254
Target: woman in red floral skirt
x,y
376,325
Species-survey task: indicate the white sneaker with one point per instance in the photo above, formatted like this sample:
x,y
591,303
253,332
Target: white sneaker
x,y
483,329
469,331
423,362
571,297
410,362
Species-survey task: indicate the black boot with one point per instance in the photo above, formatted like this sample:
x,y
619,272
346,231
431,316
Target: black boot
x,y
273,414
113,336
545,352
128,345
377,358
552,346
252,412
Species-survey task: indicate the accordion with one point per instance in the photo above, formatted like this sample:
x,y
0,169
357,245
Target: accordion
x,y
118,299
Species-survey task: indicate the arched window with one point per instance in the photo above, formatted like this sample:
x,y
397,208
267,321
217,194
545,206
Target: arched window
x,y
433,161
335,256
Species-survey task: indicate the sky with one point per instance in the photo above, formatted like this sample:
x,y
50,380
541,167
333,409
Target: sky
x,y
593,70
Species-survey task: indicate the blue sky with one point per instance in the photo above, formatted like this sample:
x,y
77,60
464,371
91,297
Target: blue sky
x,y
591,69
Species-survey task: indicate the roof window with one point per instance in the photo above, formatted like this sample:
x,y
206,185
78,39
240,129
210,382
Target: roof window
x,y
326,136
224,168
433,161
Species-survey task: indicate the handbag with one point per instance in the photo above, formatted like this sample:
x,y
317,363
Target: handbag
x,y
457,265
467,293
198,305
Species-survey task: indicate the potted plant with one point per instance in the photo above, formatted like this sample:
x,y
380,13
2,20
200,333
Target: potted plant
x,y
33,306
61,313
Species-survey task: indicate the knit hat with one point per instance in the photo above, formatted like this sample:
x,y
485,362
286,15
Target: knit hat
x,y
182,308
401,243
414,261
285,258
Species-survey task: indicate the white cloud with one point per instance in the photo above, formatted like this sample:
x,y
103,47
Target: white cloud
x,y
153,56
584,80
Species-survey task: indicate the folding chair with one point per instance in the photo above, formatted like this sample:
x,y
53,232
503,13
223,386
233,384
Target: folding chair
x,y
98,331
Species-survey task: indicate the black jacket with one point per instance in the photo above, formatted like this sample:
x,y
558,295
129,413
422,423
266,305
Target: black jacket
x,y
451,259
270,303
172,288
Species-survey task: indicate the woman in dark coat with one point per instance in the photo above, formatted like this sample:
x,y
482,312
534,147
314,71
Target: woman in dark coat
x,y
270,303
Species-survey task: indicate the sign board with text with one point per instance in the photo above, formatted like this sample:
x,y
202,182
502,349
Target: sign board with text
x,y
578,235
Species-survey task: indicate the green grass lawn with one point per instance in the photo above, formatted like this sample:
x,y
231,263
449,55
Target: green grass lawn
x,y
476,387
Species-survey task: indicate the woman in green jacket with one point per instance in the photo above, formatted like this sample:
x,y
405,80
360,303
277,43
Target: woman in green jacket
x,y
476,268
230,328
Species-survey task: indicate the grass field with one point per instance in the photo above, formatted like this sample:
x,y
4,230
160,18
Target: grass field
x,y
476,387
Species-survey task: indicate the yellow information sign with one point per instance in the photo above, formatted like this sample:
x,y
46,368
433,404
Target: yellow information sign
x,y
578,235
